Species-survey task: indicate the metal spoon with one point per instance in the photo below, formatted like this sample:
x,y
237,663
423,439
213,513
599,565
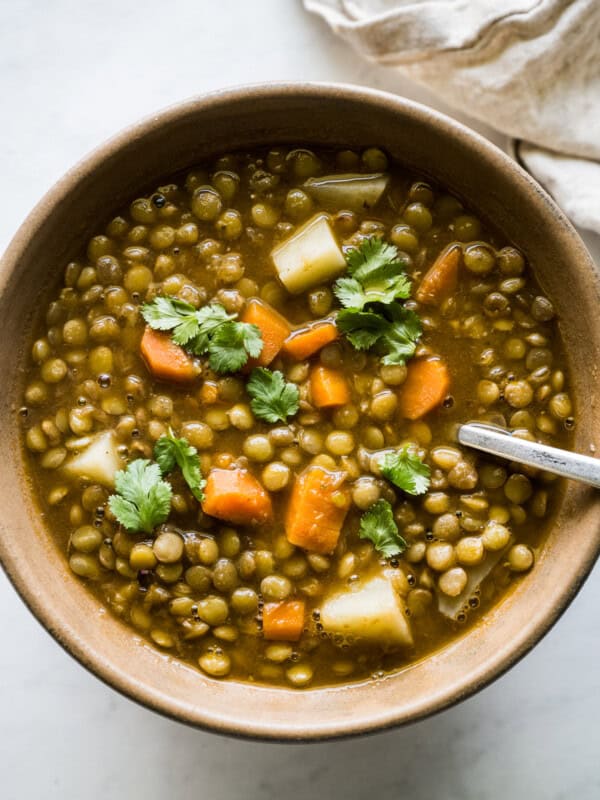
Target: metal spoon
x,y
500,442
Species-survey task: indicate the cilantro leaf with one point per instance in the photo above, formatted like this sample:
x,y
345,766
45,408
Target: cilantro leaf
x,y
170,451
273,399
363,329
377,273
231,345
406,471
208,319
378,525
209,329
186,334
166,313
374,258
192,328
371,315
396,338
349,292
352,294
143,498
399,341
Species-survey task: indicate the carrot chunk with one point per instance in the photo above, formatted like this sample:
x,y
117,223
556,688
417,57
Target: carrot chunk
x,y
274,330
425,387
209,393
283,621
234,495
441,279
328,387
165,359
317,509
305,342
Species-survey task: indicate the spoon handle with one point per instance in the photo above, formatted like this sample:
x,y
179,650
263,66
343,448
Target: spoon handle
x,y
500,442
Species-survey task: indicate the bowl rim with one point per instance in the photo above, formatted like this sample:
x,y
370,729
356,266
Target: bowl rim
x,y
497,664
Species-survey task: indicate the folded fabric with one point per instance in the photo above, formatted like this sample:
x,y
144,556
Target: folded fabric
x,y
529,68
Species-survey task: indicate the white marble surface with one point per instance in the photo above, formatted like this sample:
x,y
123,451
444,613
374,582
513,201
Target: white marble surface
x,y
72,73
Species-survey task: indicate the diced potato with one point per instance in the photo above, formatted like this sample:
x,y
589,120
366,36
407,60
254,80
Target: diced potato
x,y
371,611
310,256
354,192
98,462
452,606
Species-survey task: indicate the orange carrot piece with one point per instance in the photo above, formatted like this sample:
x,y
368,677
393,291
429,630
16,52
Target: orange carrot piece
x,y
305,342
234,495
328,387
283,622
441,279
165,359
209,393
274,330
425,387
316,510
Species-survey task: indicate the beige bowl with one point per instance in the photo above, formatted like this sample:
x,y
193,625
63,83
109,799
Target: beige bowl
x,y
314,114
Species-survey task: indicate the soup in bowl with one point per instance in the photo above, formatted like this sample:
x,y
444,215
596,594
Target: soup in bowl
x,y
238,411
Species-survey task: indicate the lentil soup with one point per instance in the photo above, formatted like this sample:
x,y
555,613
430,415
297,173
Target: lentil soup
x,y
240,414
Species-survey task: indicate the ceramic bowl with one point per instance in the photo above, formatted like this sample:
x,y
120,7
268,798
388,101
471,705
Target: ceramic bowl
x,y
84,200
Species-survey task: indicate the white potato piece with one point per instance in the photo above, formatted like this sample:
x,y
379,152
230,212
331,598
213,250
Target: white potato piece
x,y
350,191
371,611
452,606
98,462
309,257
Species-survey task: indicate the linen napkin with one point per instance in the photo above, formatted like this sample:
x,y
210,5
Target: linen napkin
x,y
529,68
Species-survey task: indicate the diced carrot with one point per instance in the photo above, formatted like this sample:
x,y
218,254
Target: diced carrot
x,y
274,330
426,385
165,359
305,342
441,279
234,495
283,621
316,510
328,387
209,393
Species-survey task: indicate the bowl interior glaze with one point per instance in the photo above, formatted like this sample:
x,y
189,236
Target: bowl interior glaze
x,y
305,114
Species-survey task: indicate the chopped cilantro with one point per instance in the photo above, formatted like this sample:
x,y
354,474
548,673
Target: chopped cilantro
x,y
171,451
143,498
394,331
272,399
371,316
406,471
377,273
208,330
378,525
231,345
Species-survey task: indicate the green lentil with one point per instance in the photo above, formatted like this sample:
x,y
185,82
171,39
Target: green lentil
x,y
168,547
217,665
213,610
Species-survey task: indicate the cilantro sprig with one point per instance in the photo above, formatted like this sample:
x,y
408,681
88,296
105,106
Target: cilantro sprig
x,y
394,330
272,398
372,317
232,344
143,499
378,525
405,470
209,330
171,451
377,275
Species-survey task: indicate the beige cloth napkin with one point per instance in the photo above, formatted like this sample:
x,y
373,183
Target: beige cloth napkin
x,y
529,68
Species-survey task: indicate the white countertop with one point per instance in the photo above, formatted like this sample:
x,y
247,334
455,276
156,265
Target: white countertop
x,y
71,74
